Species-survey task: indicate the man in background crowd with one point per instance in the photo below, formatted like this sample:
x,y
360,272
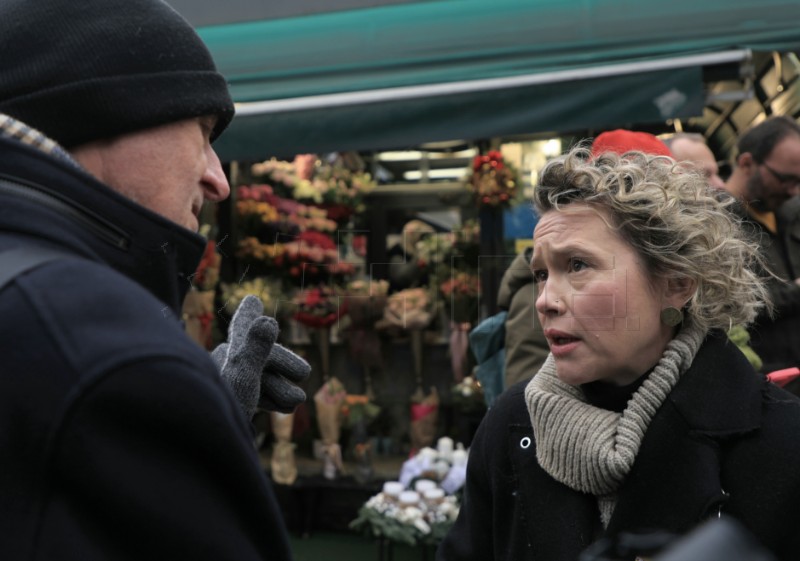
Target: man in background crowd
x,y
766,179
692,147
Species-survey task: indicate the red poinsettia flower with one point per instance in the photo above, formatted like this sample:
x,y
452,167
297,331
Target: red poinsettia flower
x,y
317,239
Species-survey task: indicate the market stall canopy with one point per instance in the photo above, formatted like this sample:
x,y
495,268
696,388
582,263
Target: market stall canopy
x,y
400,75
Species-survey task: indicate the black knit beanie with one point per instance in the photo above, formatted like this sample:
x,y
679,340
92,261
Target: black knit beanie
x,y
84,70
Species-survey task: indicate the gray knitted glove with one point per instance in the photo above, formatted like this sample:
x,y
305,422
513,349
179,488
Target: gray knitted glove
x,y
259,371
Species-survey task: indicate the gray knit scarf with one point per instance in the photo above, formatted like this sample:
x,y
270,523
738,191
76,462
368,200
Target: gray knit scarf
x,y
590,449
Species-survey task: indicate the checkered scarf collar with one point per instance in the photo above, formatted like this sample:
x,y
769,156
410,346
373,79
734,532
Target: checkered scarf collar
x,y
12,128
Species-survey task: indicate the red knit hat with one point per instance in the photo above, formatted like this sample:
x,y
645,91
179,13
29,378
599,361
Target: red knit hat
x,y
620,141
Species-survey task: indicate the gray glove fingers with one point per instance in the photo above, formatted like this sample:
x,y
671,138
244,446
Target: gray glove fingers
x,y
284,362
219,354
250,309
243,367
278,394
252,354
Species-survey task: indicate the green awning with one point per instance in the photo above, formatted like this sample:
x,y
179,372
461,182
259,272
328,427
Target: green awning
x,y
400,75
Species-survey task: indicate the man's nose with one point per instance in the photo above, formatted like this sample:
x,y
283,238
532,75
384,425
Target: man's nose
x,y
215,184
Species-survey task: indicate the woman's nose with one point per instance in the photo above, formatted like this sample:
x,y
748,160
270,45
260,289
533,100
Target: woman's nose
x,y
549,301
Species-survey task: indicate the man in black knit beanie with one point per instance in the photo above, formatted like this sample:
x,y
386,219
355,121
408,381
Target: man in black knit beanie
x,y
120,438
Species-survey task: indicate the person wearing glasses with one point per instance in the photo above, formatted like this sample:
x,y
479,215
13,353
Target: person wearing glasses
x,y
766,179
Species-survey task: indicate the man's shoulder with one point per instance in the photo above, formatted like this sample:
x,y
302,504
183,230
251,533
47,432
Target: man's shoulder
x,y
88,288
790,210
93,314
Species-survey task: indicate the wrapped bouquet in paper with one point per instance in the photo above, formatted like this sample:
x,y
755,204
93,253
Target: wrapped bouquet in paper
x,y
282,464
319,308
424,416
461,293
408,309
198,307
198,315
329,400
358,412
366,301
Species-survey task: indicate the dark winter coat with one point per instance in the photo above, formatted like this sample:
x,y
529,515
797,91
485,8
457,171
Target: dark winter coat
x,y
777,341
724,440
118,438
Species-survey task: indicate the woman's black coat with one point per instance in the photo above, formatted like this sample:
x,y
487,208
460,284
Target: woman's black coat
x,y
725,440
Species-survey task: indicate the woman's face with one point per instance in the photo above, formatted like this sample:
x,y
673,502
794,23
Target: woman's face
x,y
598,306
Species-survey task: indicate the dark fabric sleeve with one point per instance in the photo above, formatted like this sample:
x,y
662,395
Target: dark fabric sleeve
x,y
155,462
785,298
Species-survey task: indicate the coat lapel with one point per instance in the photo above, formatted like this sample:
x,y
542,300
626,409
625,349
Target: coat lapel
x,y
675,480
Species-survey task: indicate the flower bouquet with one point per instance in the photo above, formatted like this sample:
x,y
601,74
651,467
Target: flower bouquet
x,y
198,307
340,189
461,294
408,309
267,290
492,181
366,301
434,251
319,308
282,464
359,411
424,415
329,400
328,184
281,235
264,215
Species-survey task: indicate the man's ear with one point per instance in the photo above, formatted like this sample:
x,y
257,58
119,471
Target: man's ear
x,y
679,291
746,163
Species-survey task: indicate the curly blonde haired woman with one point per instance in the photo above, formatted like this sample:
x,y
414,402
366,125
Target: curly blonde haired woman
x,y
644,416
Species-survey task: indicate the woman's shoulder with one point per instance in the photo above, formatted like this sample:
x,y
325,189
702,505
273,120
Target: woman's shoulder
x,y
510,407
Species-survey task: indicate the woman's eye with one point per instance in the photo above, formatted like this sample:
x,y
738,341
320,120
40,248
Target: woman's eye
x,y
577,265
539,275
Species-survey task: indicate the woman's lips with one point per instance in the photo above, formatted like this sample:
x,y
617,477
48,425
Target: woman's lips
x,y
561,344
